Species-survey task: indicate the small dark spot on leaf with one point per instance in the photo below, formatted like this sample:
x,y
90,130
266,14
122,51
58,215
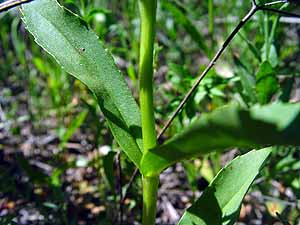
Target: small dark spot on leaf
x,y
81,50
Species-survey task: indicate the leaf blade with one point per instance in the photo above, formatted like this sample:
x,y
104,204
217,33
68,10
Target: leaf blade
x,y
78,50
266,83
247,80
225,128
220,202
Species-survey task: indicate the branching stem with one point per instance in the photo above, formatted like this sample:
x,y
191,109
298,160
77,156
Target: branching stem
x,y
252,11
275,2
210,66
4,6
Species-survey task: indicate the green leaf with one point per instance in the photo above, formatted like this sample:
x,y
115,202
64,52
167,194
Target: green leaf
x,y
18,43
273,56
251,47
287,88
181,18
247,79
108,166
79,51
74,125
266,83
220,202
228,127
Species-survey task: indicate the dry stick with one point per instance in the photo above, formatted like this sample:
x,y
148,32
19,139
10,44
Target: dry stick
x,y
210,66
4,6
276,2
253,10
119,187
246,18
133,176
226,43
284,222
278,11
14,3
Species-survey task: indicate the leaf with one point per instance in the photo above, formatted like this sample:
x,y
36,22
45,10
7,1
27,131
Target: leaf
x,y
75,124
192,174
287,87
251,47
266,83
180,17
108,166
220,202
79,51
18,43
228,127
273,56
247,79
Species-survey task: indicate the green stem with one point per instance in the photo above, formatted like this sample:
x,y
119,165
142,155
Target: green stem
x,y
211,16
148,18
267,39
150,188
211,26
150,184
275,24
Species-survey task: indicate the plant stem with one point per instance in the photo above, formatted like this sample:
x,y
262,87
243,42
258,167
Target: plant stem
x,y
211,16
150,184
228,40
275,23
267,39
150,188
148,18
4,6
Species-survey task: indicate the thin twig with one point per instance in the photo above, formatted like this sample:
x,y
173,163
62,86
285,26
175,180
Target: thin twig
x,y
210,66
253,10
284,222
253,3
278,11
276,2
284,202
119,187
4,6
132,178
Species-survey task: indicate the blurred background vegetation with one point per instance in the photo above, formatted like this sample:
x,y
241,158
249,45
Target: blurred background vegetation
x,y
58,159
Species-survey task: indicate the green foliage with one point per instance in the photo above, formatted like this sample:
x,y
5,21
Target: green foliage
x,y
78,51
225,128
266,83
7,220
75,124
247,80
108,168
180,16
69,40
220,202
